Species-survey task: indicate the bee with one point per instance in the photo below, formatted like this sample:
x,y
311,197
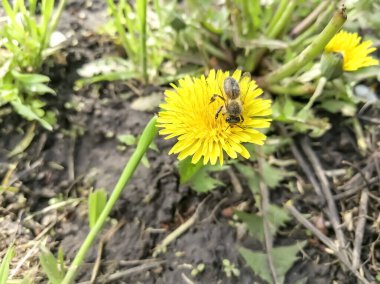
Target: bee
x,y
233,106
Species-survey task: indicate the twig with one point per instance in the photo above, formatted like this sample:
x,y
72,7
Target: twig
x,y
216,208
36,164
179,231
360,138
70,159
48,228
29,254
267,231
40,145
137,261
102,241
329,243
307,170
74,201
332,210
127,272
360,227
235,182
304,165
354,190
367,171
133,270
370,119
305,23
186,279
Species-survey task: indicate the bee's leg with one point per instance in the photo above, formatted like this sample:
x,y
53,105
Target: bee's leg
x,y
218,111
235,124
242,118
215,96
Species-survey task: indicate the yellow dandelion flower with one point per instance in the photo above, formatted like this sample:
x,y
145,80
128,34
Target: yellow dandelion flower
x,y
355,54
188,115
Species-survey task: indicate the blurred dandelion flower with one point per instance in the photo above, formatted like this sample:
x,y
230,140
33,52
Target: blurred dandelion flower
x,y
355,54
188,115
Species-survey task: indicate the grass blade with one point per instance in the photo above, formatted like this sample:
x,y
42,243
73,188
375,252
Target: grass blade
x,y
96,203
51,266
4,267
141,12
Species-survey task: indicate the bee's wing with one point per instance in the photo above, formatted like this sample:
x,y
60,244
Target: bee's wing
x,y
246,75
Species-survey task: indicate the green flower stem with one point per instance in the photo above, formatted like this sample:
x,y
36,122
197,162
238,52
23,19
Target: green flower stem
x,y
313,29
312,51
57,16
280,10
318,91
147,137
279,21
144,60
283,20
292,90
310,19
117,13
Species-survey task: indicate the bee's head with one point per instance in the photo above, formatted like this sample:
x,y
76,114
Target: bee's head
x,y
233,119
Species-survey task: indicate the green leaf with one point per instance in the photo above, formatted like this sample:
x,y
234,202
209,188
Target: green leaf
x,y
4,69
276,217
47,8
30,78
254,224
61,259
251,175
202,182
141,6
51,266
272,176
8,95
112,76
38,88
197,175
9,11
289,108
25,141
154,147
27,112
145,161
96,203
335,106
187,169
283,259
127,139
4,266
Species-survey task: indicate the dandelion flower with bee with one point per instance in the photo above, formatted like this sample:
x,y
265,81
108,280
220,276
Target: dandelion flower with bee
x,y
350,53
208,122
